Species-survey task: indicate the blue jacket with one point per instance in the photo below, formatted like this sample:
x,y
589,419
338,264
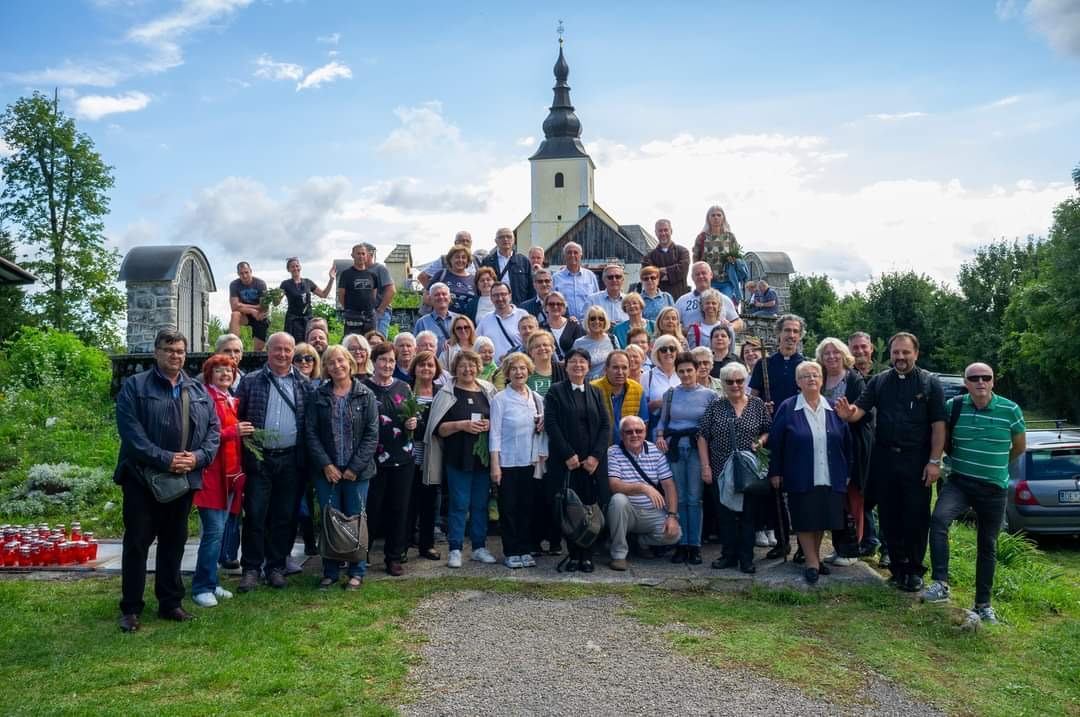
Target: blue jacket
x,y
518,276
791,449
146,419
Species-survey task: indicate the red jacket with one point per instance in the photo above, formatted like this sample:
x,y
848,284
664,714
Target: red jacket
x,y
226,473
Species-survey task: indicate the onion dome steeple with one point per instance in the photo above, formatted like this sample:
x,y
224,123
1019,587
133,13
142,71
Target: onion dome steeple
x,y
562,128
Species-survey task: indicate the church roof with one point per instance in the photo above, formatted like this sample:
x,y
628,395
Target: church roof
x,y
562,128
401,254
160,263
639,237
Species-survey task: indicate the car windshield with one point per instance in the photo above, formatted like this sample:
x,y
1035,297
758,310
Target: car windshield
x,y
1054,464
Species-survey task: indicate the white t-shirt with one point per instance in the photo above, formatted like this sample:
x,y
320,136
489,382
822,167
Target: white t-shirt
x,y
689,306
503,331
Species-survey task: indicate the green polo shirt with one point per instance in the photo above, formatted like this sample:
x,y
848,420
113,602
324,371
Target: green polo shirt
x,y
982,438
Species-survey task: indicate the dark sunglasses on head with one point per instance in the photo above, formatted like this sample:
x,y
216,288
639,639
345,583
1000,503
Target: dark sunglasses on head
x,y
303,359
734,381
979,377
461,328
552,304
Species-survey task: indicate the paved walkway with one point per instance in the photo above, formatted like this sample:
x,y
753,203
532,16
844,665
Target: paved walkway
x,y
656,572
484,655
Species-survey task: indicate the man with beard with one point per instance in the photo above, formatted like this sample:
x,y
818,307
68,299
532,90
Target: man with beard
x,y
906,459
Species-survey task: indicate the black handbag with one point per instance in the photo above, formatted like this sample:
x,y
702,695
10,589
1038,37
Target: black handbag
x,y
581,523
343,537
167,486
749,476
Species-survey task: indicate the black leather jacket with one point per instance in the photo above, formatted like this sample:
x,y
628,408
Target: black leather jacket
x,y
319,431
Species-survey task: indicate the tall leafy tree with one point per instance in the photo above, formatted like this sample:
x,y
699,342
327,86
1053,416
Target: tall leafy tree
x,y
55,194
906,301
811,296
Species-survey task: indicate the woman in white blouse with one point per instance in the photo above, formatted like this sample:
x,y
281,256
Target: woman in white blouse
x,y
517,445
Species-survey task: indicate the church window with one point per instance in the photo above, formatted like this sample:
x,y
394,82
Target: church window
x,y
559,182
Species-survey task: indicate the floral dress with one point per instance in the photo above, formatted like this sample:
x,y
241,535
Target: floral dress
x,y
395,447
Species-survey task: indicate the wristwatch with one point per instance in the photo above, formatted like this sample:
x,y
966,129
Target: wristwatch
x,y
673,515
934,461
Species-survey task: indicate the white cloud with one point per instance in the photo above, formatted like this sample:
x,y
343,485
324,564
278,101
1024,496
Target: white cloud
x,y
893,117
1006,9
331,39
423,127
268,69
1059,21
5,149
412,195
94,107
330,72
529,141
163,35
1003,102
71,74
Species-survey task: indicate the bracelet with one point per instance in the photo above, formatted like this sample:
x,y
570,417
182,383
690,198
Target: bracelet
x,y
673,515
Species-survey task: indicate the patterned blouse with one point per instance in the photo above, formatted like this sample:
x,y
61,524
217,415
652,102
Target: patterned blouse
x,y
395,447
715,427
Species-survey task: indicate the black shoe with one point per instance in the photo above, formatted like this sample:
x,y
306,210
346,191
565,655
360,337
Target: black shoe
x,y
748,569
129,623
310,550
248,582
912,583
897,581
404,558
230,564
866,551
276,578
693,556
571,566
811,575
431,554
884,561
586,566
723,563
780,551
177,614
658,551
799,558
680,555
824,569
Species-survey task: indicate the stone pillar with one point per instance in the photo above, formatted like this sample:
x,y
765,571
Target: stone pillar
x,y
151,306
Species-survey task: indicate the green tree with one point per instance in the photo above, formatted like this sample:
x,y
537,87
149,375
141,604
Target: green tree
x,y
845,317
906,301
55,195
811,296
1042,332
12,314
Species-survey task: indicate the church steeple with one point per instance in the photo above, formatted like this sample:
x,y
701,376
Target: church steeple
x,y
562,128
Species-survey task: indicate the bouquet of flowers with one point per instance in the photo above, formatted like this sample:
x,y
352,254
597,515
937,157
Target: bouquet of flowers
x,y
272,297
408,408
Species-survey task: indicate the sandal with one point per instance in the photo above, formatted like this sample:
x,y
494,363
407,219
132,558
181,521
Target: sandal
x,y
325,583
431,554
354,584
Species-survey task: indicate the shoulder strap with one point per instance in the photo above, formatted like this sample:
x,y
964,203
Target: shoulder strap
x,y
185,418
668,395
637,467
765,392
288,401
506,268
498,320
954,415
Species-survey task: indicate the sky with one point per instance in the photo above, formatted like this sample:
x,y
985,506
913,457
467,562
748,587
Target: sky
x,y
860,138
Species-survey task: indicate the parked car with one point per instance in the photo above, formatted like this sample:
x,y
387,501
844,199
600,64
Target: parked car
x,y
952,384
1044,484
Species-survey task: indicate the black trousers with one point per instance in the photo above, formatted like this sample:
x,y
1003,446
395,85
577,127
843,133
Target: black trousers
x,y
144,520
547,525
270,510
295,325
390,506
422,504
737,531
904,507
955,497
516,509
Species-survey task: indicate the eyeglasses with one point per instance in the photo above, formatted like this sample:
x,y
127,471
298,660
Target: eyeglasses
x,y
649,278
303,359
541,281
596,318
979,378
555,304
703,363
613,278
809,377
734,381
463,327
633,431
357,350
667,349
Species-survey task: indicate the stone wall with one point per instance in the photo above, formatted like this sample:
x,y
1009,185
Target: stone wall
x,y
151,307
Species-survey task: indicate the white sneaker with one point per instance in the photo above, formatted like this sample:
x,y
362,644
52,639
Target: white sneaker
x,y
222,593
761,539
483,555
528,561
454,561
205,600
771,536
840,561
513,562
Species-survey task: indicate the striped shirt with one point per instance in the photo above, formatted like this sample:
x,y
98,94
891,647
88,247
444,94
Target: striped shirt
x,y
982,438
651,460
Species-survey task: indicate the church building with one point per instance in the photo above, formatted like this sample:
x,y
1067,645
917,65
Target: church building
x,y
564,207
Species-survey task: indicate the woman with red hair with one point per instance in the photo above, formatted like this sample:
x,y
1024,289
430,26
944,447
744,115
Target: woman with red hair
x,y
223,481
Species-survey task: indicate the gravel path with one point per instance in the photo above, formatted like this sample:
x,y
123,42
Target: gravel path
x,y
587,660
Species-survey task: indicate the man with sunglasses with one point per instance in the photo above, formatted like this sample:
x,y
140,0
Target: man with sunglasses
x,y
611,297
644,499
988,435
671,261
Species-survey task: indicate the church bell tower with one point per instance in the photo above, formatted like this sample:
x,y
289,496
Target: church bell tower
x,y
562,172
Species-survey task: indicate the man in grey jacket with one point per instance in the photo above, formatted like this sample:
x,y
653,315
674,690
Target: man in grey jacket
x,y
148,418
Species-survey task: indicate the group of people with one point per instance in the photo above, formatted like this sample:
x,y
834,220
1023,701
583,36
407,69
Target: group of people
x,y
524,382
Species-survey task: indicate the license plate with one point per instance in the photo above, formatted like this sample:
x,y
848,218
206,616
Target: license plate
x,y
1069,496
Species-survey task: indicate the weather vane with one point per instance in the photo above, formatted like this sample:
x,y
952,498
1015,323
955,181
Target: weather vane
x,y
560,30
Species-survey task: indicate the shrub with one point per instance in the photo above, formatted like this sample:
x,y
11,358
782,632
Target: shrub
x,y
58,489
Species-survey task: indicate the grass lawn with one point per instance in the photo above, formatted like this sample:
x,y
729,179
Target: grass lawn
x,y
300,652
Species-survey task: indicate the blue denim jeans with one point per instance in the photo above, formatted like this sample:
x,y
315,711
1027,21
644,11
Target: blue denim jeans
x,y
469,492
687,476
206,564
230,540
382,322
350,497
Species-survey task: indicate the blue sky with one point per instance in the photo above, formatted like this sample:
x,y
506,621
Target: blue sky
x,y
860,137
